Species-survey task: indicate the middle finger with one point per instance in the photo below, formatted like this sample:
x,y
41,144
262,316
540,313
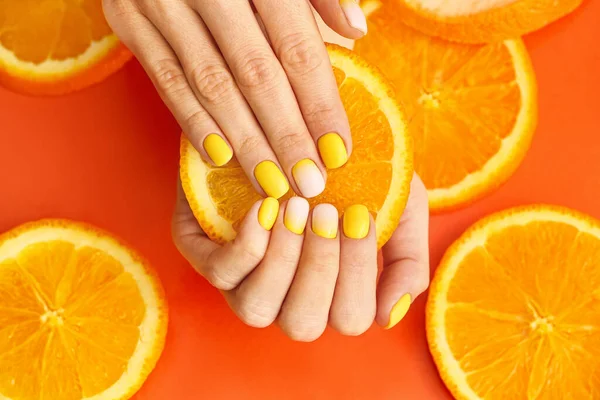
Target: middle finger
x,y
265,86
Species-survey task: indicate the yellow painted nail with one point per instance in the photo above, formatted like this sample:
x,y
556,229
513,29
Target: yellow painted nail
x,y
217,149
267,213
296,214
333,150
271,179
325,221
399,311
356,221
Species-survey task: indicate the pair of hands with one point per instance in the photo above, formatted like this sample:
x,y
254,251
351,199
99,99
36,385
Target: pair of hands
x,y
253,78
308,280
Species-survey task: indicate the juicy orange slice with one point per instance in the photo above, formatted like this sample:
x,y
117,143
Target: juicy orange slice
x,y
378,173
477,21
472,109
81,315
51,47
514,307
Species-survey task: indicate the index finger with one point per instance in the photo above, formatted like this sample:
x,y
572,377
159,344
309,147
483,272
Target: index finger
x,y
296,40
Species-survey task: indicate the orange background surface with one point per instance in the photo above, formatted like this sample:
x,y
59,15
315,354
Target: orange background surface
x,y
108,155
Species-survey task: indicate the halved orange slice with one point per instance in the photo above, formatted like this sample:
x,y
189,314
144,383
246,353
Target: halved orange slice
x,y
514,307
81,315
378,173
472,109
476,21
52,47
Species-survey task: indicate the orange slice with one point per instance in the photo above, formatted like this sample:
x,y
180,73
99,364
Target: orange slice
x,y
472,109
378,173
514,307
81,315
52,47
476,21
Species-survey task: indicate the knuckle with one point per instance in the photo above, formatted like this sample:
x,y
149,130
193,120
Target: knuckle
x,y
220,278
195,119
351,322
248,253
298,54
319,113
325,264
357,266
303,333
255,312
286,142
213,83
257,71
169,77
248,145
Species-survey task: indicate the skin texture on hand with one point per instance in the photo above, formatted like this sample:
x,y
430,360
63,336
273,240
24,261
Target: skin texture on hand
x,y
309,270
247,78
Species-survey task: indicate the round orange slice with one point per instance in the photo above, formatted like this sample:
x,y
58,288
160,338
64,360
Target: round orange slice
x,y
53,47
476,21
81,315
514,307
472,108
377,175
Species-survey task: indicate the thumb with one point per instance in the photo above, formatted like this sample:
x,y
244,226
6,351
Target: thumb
x,y
405,272
343,16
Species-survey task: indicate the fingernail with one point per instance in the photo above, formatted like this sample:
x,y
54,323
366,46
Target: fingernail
x,y
308,177
217,149
333,151
271,179
296,214
325,221
356,221
399,311
267,213
354,14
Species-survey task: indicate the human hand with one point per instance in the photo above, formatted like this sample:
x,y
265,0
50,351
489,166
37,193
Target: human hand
x,y
257,85
305,281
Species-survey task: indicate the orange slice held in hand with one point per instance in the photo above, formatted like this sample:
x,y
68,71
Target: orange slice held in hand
x,y
476,21
52,47
514,307
472,108
377,175
81,315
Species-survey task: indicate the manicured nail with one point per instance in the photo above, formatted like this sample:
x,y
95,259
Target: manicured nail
x,y
308,177
399,311
325,221
356,221
267,213
354,14
271,179
296,214
217,149
332,149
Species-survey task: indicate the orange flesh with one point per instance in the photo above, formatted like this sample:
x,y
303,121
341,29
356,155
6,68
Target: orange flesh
x,y
39,30
365,179
461,101
525,321
69,322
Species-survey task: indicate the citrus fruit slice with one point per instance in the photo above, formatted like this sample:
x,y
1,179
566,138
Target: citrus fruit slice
x,y
81,315
472,108
476,21
514,307
53,47
377,175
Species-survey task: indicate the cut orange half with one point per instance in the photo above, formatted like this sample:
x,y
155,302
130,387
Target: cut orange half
x,y
472,109
377,175
81,315
53,47
476,21
514,307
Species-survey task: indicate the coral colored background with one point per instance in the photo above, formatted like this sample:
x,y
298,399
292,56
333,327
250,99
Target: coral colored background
x,y
108,156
